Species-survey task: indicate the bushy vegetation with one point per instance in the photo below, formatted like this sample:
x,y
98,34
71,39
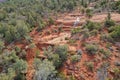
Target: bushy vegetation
x,y
92,49
75,58
89,13
116,72
75,30
57,55
106,37
1,45
62,51
17,18
106,53
90,66
92,25
116,33
44,70
109,23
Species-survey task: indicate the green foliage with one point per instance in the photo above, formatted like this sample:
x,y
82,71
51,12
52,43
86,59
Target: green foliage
x,y
85,33
8,37
94,32
62,51
22,28
106,53
48,52
1,45
116,33
2,15
56,60
92,49
62,76
7,58
20,66
22,54
17,49
75,30
18,19
116,6
90,66
89,13
109,23
116,72
75,58
51,21
36,63
45,70
109,16
55,57
72,77
92,25
84,3
72,41
8,76
106,37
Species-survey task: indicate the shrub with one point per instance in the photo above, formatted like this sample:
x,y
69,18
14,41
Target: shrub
x,y
45,70
41,26
17,49
92,25
56,60
72,77
116,33
89,13
22,28
2,15
75,30
62,51
51,21
94,32
106,53
109,23
62,76
106,37
79,52
90,66
9,75
1,45
53,56
91,49
112,28
36,63
37,52
72,41
48,52
20,66
75,58
116,73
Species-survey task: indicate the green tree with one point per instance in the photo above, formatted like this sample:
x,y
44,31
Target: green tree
x,y
20,66
1,45
22,28
62,51
45,70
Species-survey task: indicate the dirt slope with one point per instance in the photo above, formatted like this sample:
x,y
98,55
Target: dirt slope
x,y
43,39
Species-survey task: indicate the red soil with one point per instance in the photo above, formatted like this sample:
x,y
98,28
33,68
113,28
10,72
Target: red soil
x,y
43,39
